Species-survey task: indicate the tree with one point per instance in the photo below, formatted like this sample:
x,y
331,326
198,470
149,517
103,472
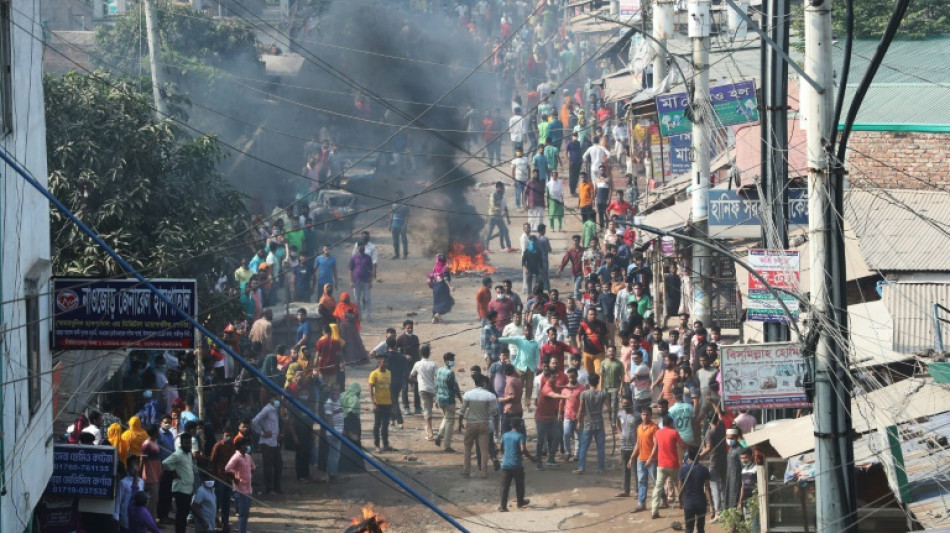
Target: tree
x,y
924,18
192,43
148,189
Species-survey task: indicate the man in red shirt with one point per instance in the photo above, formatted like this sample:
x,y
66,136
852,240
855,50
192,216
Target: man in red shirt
x,y
620,207
546,416
483,298
568,414
328,356
668,447
555,349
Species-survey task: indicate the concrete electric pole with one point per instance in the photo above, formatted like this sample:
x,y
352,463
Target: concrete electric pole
x,y
698,29
835,496
662,30
774,139
154,52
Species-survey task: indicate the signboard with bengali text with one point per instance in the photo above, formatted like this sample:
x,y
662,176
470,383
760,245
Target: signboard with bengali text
x,y
122,313
84,471
780,268
734,216
734,103
762,376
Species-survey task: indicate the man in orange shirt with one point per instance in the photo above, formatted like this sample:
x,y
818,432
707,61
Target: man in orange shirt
x,y
642,453
483,298
585,193
668,447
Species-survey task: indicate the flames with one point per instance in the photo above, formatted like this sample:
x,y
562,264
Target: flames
x,y
468,259
370,521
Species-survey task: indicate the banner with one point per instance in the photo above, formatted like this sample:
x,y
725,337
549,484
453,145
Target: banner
x,y
780,268
122,313
762,376
629,8
659,155
680,147
85,471
732,216
733,104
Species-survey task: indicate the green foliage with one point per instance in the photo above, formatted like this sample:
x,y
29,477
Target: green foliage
x,y
148,189
924,18
734,521
191,42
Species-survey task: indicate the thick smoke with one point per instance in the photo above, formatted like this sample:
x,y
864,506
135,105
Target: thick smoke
x,y
364,42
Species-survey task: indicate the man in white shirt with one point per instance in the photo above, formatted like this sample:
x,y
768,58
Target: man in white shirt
x,y
519,173
424,373
596,154
267,425
517,129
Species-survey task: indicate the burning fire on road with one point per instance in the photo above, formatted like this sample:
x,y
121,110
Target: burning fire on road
x,y
468,259
370,522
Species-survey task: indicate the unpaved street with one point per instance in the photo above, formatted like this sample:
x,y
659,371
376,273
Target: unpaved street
x,y
560,500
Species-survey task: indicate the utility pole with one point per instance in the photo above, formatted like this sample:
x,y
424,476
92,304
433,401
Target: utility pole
x,y
662,30
154,51
774,139
698,29
835,487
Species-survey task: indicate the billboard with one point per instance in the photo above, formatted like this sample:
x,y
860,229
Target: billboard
x,y
781,269
84,471
734,103
762,376
733,216
95,313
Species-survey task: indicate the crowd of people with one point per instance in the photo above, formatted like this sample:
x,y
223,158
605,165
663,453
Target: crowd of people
x,y
598,360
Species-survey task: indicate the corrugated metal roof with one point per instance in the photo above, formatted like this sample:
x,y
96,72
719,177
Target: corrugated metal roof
x,y
911,308
901,230
906,60
907,400
901,104
912,72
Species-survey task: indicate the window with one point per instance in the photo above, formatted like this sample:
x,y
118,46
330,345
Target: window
x,y
6,68
34,367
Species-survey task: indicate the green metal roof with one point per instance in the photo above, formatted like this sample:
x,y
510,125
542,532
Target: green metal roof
x,y
910,90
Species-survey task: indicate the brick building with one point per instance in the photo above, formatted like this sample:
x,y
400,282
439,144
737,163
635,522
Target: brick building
x,y
901,135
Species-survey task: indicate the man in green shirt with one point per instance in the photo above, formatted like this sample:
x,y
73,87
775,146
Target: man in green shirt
x,y
590,231
183,485
643,301
611,377
446,392
295,236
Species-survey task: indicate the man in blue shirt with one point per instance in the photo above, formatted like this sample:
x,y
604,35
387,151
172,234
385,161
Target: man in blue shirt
x,y
446,392
303,330
540,163
326,270
399,226
513,447
361,275
575,161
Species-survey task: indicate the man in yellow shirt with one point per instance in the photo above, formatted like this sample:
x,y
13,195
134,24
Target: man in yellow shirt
x,y
380,381
585,193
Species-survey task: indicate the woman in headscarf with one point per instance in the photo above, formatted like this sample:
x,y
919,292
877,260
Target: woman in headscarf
x,y
327,305
354,352
347,307
439,269
442,300
130,443
114,434
302,364
350,402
